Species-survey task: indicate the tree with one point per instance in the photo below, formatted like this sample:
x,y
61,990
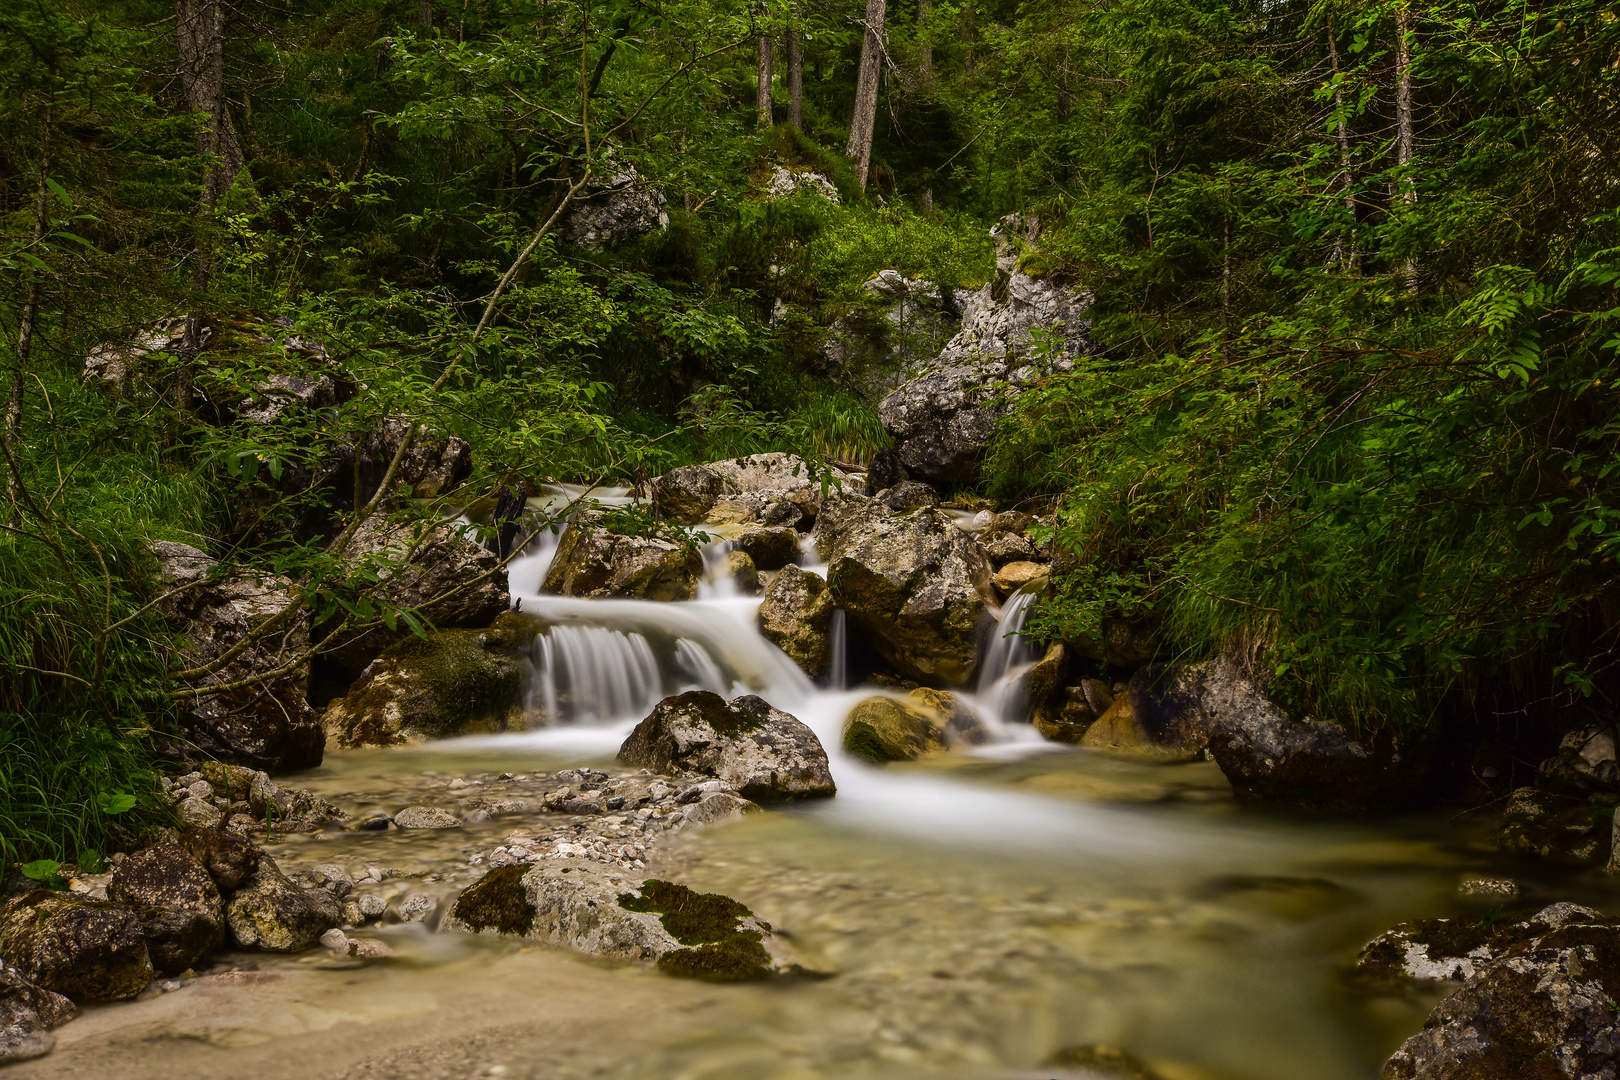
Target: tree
x,y
864,116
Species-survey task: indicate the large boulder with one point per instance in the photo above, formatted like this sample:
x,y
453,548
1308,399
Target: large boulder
x,y
943,421
796,616
620,206
1559,828
181,912
881,729
787,477
687,494
1161,713
27,1015
597,910
896,325
269,725
273,914
916,587
763,754
430,566
88,950
456,682
1541,1007
1585,762
591,561
770,548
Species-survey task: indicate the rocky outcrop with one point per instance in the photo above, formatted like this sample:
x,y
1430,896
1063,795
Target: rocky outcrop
x,y
775,490
898,324
1585,762
272,914
942,421
456,682
181,912
761,753
881,729
784,182
914,586
449,580
87,950
1161,713
770,549
796,616
269,725
601,911
593,562
785,476
27,1015
620,207
687,494
1537,1003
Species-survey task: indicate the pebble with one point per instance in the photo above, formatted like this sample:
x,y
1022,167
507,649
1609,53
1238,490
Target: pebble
x,y
372,906
417,907
336,940
426,817
1495,888
369,949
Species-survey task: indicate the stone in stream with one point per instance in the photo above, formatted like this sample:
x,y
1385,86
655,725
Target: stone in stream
x,y
796,617
1537,1000
592,562
915,587
272,914
600,911
881,729
426,817
908,495
229,857
1010,547
1560,828
1017,576
267,726
740,569
762,753
182,914
455,682
27,1015
87,950
1161,714
686,494
770,548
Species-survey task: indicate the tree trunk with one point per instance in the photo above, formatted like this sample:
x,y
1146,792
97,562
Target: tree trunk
x,y
1403,189
423,15
762,101
968,26
925,54
866,91
1345,250
795,80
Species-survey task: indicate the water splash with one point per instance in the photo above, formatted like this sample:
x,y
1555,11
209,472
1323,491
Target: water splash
x,y
1008,656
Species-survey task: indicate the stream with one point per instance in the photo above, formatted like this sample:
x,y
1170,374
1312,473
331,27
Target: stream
x,y
979,910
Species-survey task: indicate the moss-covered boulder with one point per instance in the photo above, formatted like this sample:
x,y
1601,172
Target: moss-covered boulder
x,y
181,912
762,753
743,573
796,617
87,950
456,682
497,902
1560,828
881,729
593,562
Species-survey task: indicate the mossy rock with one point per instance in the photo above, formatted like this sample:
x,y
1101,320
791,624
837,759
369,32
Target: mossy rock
x,y
1558,828
721,949
497,901
881,730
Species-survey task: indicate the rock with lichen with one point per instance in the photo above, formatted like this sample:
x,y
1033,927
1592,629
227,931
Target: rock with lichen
x,y
881,729
273,914
27,1015
796,617
87,950
179,905
593,561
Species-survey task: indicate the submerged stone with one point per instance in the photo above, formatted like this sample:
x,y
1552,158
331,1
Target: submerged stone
x,y
881,729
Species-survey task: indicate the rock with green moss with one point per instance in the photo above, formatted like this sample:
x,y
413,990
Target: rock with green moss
x,y
796,617
1559,828
593,562
600,911
881,729
761,753
740,568
915,587
455,682
87,950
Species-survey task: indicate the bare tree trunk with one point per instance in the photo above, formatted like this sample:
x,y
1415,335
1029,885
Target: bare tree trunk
x,y
927,201
968,26
200,41
762,102
1345,251
795,80
26,324
1404,190
925,55
866,91
423,15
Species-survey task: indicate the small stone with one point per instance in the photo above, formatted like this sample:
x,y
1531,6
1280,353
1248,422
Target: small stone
x,y
336,940
417,907
352,915
331,877
198,811
369,949
372,906
426,817
379,823
1488,887
458,782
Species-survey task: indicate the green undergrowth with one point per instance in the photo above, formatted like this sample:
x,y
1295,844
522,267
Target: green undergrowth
x,y
721,951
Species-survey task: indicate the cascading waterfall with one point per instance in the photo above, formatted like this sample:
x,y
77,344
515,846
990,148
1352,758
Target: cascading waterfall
x,y
837,653
1009,654
592,674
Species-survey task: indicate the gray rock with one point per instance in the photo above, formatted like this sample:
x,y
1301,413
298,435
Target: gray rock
x,y
115,364
592,562
786,477
372,906
763,754
897,325
369,949
280,395
27,1015
452,581
1004,548
272,914
329,876
1160,713
717,807
426,817
418,907
616,209
686,494
336,940
796,616
268,726
908,495
199,813
1559,828
181,912
1585,762
230,858
88,950
784,182
914,586
741,570
881,729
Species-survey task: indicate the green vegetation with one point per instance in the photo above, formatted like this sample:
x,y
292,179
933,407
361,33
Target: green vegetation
x,y
723,951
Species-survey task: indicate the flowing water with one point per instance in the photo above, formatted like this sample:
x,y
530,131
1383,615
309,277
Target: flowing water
x,y
978,911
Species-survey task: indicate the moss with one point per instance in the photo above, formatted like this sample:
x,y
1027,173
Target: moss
x,y
724,951
718,714
882,730
739,960
497,901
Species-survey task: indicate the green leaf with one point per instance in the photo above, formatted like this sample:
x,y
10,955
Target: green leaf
x,y
115,802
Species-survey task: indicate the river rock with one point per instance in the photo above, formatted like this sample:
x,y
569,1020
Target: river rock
x,y
1439,950
229,857
1540,1008
915,586
1019,577
1066,716
181,912
240,783
272,914
785,476
770,548
908,495
883,472
763,754
88,950
796,616
620,206
716,807
881,729
1010,547
1161,713
962,724
599,911
456,682
451,581
1585,762
426,817
943,420
1560,828
269,725
27,1015
593,562
686,494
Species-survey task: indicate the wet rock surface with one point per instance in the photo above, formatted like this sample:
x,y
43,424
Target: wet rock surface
x,y
796,616
593,562
1559,828
86,950
273,914
182,914
27,1015
881,729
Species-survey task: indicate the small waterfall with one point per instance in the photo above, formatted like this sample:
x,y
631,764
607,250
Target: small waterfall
x,y
1008,656
837,653
717,584
593,674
